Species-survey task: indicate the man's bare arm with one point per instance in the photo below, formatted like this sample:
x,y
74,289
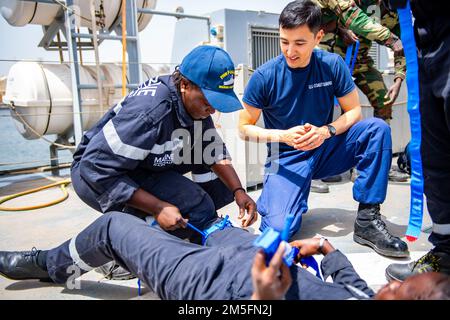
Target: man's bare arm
x,y
248,130
352,112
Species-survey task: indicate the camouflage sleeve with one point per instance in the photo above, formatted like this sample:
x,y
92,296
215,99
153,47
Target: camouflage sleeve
x,y
390,21
353,18
400,67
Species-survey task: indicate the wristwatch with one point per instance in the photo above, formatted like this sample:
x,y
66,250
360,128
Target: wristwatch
x,y
331,130
321,243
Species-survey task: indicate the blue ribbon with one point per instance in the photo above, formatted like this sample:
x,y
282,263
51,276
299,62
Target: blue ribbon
x,y
348,55
217,226
195,229
139,287
352,65
350,60
412,81
309,261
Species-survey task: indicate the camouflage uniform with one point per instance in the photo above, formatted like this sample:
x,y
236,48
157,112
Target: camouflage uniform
x,y
356,16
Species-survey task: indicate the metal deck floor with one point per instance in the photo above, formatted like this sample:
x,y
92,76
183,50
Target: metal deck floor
x,y
331,215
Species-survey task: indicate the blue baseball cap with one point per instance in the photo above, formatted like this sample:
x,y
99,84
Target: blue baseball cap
x,y
212,70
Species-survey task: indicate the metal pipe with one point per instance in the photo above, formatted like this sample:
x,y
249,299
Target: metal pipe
x,y
75,75
133,49
96,54
208,26
103,36
42,1
80,53
180,16
117,86
61,55
173,14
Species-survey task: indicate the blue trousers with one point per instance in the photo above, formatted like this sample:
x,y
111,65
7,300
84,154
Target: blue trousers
x,y
366,145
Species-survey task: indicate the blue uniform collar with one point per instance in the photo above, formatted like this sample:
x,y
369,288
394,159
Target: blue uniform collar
x,y
182,115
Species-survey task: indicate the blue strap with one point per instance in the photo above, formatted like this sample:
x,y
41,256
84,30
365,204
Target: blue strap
x,y
348,55
217,226
355,55
195,229
311,262
412,81
154,223
139,287
350,60
205,234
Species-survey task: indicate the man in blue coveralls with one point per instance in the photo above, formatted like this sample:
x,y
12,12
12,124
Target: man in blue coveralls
x,y
295,93
134,159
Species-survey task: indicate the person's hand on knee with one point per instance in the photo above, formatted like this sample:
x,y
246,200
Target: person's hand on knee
x,y
246,204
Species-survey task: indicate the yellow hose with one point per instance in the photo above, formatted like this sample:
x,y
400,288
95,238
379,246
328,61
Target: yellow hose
x,y
62,185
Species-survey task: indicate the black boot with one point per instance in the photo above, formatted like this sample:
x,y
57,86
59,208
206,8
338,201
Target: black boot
x,y
354,174
397,176
113,271
332,179
319,187
433,261
370,230
23,265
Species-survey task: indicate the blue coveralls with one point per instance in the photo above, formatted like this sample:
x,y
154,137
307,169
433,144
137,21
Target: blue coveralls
x,y
367,146
289,97
149,141
177,269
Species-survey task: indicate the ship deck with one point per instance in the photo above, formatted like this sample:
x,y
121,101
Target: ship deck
x,y
331,215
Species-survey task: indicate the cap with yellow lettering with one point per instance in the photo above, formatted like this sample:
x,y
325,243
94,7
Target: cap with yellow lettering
x,y
212,70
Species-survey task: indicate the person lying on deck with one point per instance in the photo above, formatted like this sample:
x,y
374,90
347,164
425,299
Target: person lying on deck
x,y
228,266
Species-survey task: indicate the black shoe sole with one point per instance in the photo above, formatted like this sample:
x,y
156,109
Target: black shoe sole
x,y
16,279
332,180
320,191
390,278
386,253
398,180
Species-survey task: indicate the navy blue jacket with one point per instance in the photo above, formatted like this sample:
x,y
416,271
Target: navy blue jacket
x,y
148,130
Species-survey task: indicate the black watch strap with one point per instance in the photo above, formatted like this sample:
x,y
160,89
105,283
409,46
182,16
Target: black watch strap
x,y
331,130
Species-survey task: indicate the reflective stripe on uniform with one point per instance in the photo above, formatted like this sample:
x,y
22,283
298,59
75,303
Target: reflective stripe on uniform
x,y
204,177
443,229
117,108
76,257
120,148
167,146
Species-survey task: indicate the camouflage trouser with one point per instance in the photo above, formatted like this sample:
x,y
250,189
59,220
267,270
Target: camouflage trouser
x,y
371,83
368,79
